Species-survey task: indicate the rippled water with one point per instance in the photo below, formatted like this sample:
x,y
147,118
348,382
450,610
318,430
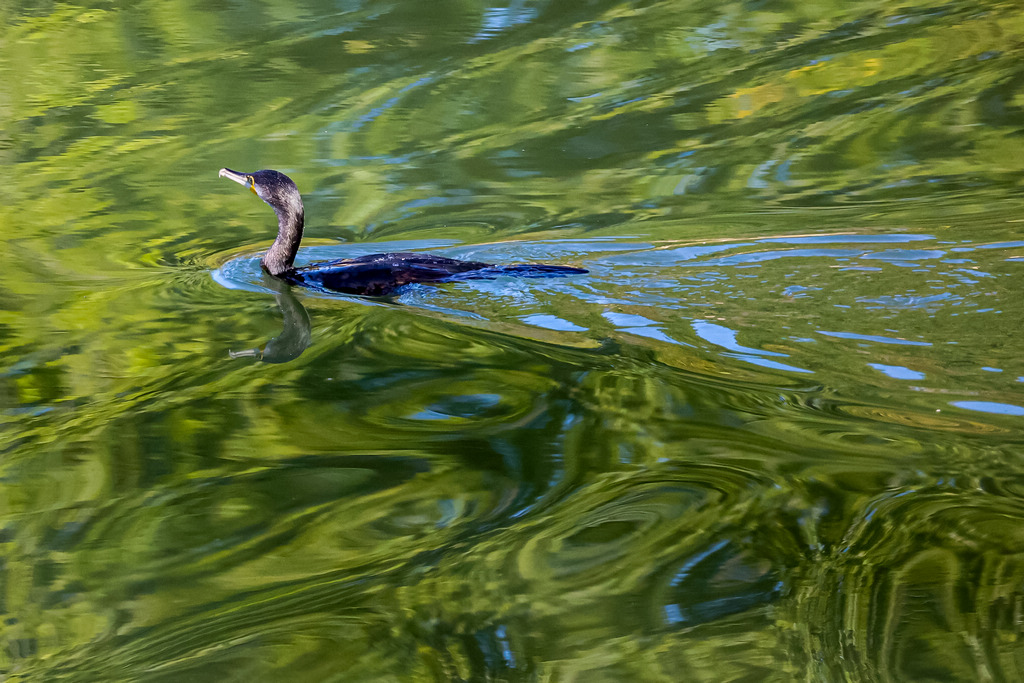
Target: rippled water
x,y
774,433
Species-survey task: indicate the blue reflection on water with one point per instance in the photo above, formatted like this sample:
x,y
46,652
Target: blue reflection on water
x,y
671,256
726,338
498,20
762,256
627,319
897,371
994,245
848,239
991,407
909,302
551,322
638,325
874,338
905,255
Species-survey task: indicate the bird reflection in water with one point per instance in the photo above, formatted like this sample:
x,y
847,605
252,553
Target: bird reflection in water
x,y
296,335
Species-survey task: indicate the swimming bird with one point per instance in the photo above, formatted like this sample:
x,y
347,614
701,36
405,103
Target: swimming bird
x,y
373,275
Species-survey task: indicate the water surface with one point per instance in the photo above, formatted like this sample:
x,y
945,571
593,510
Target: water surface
x,y
775,433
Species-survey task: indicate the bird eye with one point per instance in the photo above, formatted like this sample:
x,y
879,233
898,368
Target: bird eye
x,y
252,181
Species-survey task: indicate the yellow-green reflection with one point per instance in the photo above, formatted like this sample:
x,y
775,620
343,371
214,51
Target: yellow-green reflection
x,y
773,434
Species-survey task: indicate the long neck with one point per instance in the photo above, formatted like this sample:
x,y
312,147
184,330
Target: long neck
x,y
281,255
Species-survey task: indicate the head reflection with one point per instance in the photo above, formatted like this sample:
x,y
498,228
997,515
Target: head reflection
x,y
296,335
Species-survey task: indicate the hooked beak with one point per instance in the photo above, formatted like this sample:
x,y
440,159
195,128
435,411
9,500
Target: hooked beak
x,y
240,178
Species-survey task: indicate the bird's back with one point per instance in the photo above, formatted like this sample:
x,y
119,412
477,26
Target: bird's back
x,y
380,274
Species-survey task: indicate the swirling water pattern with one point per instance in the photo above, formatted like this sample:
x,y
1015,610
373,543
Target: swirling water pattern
x,y
773,434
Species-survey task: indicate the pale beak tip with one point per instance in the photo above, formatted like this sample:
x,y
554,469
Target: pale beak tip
x,y
239,178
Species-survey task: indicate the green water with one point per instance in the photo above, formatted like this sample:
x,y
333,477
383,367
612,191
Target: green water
x,y
775,433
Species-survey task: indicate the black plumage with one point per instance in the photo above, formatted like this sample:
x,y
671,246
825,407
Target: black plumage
x,y
374,275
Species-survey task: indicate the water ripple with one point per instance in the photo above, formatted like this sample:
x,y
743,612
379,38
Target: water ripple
x,y
925,584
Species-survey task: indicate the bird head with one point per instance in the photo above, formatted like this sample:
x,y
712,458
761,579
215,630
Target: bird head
x,y
273,187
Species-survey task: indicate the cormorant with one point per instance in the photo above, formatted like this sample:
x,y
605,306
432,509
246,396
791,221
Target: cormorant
x,y
374,275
